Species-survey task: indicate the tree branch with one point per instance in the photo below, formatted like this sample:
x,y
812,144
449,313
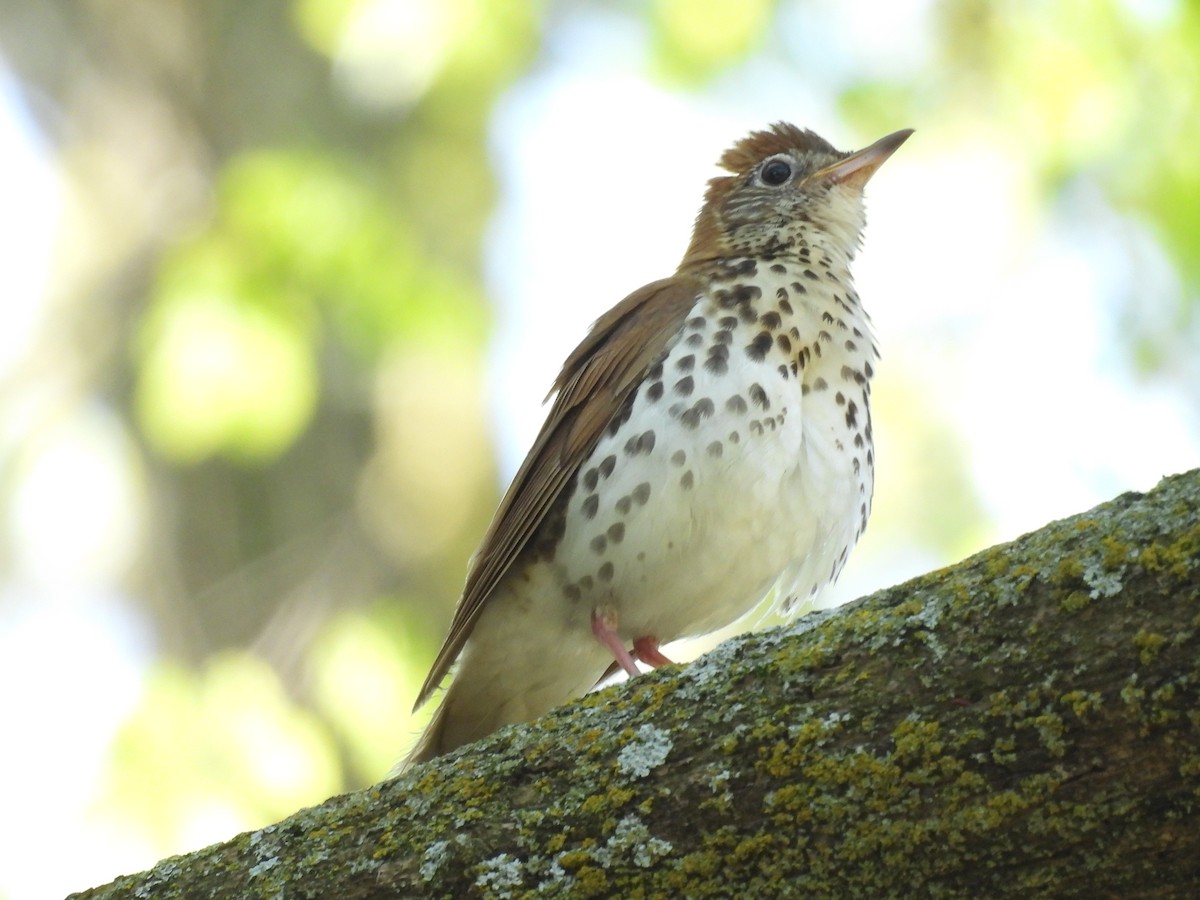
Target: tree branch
x,y
1024,723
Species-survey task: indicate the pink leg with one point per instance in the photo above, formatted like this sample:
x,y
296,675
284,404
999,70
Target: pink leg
x,y
646,649
604,627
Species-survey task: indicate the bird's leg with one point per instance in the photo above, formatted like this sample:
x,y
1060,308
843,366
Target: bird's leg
x,y
646,649
604,627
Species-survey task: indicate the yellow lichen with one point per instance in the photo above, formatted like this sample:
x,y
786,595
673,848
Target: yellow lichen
x,y
1148,644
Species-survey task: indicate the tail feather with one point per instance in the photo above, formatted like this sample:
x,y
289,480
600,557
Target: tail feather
x,y
493,688
431,744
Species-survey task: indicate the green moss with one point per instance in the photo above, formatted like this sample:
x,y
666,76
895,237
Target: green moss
x,y
1148,644
1075,601
1116,553
1068,572
1177,557
1082,703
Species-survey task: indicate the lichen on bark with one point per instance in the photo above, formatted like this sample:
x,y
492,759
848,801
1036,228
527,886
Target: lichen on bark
x,y
1023,723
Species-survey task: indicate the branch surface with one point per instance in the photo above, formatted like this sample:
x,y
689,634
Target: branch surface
x,y
1024,723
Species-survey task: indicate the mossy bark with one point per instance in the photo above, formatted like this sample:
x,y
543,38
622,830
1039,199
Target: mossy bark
x,y
1025,723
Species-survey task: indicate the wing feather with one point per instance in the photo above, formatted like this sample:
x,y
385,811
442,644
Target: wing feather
x,y
595,381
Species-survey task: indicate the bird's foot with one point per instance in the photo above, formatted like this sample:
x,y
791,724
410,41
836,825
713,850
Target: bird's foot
x,y
604,627
646,649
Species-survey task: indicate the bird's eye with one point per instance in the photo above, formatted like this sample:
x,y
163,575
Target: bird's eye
x,y
775,172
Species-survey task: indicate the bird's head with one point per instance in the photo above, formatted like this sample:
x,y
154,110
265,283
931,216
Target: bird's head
x,y
786,182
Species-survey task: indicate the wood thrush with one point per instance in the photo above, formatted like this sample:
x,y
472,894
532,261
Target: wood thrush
x,y
709,438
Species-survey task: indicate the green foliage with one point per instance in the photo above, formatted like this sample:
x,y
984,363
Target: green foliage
x,y
228,349
694,40
219,749
366,669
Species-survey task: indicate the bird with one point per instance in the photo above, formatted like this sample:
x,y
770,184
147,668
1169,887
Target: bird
x,y
709,440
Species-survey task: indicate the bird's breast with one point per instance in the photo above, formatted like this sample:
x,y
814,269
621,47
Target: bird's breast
x,y
736,460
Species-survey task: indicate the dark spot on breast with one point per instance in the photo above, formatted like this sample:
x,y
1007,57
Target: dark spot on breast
x,y
715,449
851,415
799,288
734,437
811,275
758,396
851,346
598,544
687,480
784,343
756,427
783,371
825,336
867,368
820,384
781,295
572,592
839,398
717,362
723,337
748,314
641,493
778,268
654,392
729,322
616,532
641,443
757,349
697,323
679,457
827,317
655,372
747,293
700,410
684,386
695,339
736,405
590,479
770,320
607,465
685,363
590,505
605,572
624,504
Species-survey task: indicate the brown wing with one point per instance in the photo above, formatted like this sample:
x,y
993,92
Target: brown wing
x,y
594,382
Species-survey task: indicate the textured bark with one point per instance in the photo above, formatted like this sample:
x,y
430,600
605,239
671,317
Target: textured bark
x,y
1025,723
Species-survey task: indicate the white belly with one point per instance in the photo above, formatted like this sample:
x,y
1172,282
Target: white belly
x,y
741,487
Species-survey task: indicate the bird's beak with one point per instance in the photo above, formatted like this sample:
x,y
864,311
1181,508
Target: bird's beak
x,y
858,167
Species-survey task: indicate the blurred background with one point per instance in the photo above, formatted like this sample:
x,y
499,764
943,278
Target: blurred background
x,y
283,285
